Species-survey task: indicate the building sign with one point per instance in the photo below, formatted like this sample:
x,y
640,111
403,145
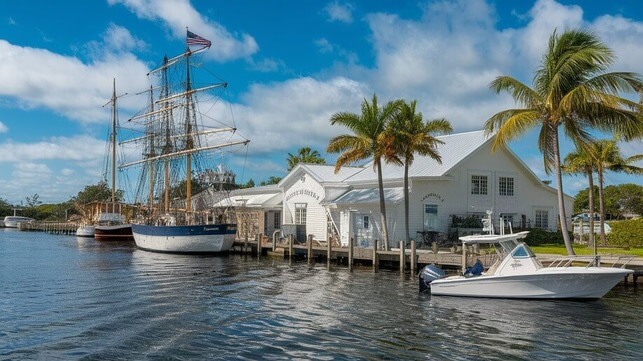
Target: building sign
x,y
300,192
434,196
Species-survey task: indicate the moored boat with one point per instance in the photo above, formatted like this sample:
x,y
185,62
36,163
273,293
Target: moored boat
x,y
110,221
12,221
517,273
173,147
85,230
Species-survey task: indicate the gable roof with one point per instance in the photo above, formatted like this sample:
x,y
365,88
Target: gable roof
x,y
321,173
455,149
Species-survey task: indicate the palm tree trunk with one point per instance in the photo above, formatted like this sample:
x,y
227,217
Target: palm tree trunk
x,y
592,239
561,200
406,201
601,206
380,183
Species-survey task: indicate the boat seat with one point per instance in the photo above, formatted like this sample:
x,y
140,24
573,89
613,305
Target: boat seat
x,y
475,270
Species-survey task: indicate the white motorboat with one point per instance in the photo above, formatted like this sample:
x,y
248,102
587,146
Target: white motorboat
x,y
12,221
85,230
517,273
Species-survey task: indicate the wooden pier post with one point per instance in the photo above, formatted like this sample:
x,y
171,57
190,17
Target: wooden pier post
x,y
245,243
329,248
274,240
375,258
290,245
350,254
413,259
310,248
259,246
402,257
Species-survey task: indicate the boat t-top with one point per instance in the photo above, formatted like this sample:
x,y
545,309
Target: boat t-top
x,y
517,273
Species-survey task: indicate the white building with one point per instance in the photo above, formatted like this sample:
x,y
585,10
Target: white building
x,y
470,181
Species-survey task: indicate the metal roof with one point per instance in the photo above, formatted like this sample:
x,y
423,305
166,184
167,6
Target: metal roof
x,y
456,148
371,196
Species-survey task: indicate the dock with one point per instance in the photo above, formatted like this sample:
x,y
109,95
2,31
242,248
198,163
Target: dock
x,y
68,228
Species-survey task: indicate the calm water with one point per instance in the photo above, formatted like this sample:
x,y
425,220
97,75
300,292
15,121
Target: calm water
x,y
69,298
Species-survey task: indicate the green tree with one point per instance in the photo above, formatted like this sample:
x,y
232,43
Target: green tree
x,y
608,157
366,141
408,134
5,207
305,155
631,199
99,192
570,90
271,180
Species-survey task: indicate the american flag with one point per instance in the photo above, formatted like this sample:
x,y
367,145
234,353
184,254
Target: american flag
x,y
194,39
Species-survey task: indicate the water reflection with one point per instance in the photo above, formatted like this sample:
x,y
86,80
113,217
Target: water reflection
x,y
66,298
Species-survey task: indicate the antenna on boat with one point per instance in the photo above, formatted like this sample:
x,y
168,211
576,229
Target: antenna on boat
x,y
487,223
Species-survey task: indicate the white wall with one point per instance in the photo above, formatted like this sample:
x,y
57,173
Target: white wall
x,y
306,190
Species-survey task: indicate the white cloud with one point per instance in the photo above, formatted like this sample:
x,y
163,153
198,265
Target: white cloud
x,y
324,45
38,78
180,13
3,128
270,125
76,148
339,12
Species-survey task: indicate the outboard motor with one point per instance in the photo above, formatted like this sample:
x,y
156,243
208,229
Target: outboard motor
x,y
429,274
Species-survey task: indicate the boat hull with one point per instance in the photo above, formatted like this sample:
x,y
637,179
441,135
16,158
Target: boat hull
x,y
185,239
85,231
546,283
121,232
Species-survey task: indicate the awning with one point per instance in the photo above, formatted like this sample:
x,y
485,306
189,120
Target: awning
x,y
253,201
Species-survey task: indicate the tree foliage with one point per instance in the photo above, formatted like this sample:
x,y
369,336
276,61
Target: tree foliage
x,y
304,155
620,200
271,180
570,91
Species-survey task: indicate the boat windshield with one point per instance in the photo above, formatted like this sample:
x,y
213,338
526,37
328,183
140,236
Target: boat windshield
x,y
505,247
522,251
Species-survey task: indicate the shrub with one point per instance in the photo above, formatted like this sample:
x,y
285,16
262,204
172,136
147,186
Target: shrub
x,y
537,237
626,233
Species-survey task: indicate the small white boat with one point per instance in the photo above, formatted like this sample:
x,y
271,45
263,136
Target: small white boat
x,y
519,274
85,230
12,221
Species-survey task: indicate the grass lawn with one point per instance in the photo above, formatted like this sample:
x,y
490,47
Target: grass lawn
x,y
582,250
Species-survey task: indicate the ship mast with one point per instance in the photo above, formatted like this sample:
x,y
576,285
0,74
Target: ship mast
x,y
189,144
151,154
114,146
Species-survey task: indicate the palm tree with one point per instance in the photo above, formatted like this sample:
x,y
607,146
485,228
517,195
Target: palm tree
x,y
408,134
607,157
570,91
366,141
582,162
305,155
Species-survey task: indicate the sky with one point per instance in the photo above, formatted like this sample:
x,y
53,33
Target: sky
x,y
289,65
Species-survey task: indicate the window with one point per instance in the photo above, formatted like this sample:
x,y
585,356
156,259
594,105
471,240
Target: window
x,y
507,219
478,184
542,219
366,222
300,213
506,186
277,219
430,217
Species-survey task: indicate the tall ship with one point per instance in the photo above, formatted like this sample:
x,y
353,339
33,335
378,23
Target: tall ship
x,y
181,137
110,223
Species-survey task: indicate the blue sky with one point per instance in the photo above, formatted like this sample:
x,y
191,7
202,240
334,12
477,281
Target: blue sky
x,y
290,65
